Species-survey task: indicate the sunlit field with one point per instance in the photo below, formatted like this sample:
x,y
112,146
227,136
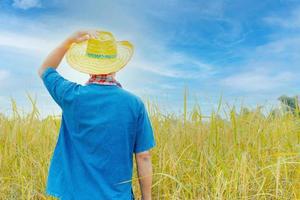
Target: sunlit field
x,y
241,155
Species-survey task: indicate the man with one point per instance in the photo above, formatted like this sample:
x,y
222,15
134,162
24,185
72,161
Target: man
x,y
102,125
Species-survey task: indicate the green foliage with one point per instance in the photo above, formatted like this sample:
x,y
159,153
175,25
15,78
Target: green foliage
x,y
290,104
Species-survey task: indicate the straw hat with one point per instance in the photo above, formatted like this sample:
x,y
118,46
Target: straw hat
x,y
102,55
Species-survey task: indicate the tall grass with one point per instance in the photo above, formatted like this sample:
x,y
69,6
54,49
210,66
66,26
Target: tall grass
x,y
246,155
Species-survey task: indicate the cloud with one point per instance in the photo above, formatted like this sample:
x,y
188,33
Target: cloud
x,y
269,67
26,4
258,80
272,66
282,53
291,21
26,42
175,65
4,74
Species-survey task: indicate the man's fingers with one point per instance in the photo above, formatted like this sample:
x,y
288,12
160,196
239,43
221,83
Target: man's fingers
x,y
83,38
83,35
92,33
82,32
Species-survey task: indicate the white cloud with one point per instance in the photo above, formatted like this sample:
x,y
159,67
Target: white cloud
x,y
291,21
269,67
22,41
4,74
175,65
274,65
283,47
26,4
258,80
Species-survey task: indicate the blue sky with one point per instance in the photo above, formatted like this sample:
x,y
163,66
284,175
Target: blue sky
x,y
247,51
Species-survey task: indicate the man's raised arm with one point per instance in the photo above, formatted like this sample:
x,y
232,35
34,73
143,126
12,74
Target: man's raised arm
x,y
56,55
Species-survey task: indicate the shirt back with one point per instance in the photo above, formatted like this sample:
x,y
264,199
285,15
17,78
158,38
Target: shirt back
x,y
102,127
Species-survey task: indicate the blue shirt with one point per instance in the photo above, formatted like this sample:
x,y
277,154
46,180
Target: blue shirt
x,y
102,126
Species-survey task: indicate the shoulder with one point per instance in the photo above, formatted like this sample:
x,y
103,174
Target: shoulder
x,y
132,97
61,89
134,101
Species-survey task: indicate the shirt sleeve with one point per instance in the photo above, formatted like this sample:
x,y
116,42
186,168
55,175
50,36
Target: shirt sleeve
x,y
144,139
60,89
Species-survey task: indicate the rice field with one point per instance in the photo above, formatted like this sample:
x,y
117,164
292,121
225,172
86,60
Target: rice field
x,y
242,155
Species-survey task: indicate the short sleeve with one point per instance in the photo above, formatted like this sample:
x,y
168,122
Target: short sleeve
x,y
144,139
60,89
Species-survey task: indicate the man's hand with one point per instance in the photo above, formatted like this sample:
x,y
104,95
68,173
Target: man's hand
x,y
81,36
55,57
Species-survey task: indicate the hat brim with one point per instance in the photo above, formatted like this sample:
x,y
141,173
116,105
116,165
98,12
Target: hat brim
x,y
77,59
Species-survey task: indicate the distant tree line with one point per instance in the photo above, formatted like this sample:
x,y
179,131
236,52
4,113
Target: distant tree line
x,y
290,104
